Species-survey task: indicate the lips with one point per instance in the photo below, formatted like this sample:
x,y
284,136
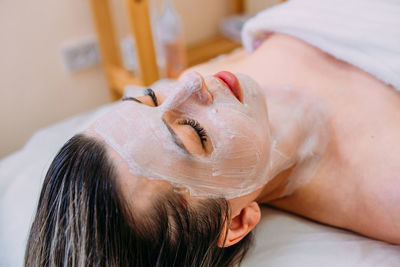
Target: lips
x,y
232,83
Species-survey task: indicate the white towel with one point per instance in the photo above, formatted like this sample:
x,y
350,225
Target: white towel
x,y
364,33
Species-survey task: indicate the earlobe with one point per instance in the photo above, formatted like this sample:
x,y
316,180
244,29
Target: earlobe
x,y
241,224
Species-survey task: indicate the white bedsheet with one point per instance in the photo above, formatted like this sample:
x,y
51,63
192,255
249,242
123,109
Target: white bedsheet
x,y
281,239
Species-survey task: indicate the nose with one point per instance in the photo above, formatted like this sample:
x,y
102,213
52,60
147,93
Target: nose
x,y
191,83
196,79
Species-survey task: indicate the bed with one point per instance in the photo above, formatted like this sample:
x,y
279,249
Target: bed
x,y
281,239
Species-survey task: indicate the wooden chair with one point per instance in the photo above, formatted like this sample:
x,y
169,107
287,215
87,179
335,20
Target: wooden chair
x,y
139,19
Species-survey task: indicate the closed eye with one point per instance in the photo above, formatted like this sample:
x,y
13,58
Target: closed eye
x,y
201,132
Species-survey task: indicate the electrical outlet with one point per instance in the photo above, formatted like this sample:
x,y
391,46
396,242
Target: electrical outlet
x,y
81,54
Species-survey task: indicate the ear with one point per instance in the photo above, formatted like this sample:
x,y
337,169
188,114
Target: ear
x,y
241,224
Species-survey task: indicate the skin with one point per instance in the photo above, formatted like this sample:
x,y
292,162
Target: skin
x,y
356,185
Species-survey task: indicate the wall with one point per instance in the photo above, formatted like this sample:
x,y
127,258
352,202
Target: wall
x,y
35,89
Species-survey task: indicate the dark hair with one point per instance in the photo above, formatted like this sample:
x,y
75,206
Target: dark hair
x,y
82,220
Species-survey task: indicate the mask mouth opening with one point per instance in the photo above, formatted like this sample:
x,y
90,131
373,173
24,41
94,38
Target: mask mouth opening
x,y
232,83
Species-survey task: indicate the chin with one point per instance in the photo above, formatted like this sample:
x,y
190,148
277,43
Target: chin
x,y
252,92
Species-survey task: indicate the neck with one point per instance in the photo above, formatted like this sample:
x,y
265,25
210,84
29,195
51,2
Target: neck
x,y
299,135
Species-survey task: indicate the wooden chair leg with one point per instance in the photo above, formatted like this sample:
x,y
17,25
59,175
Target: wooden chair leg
x,y
139,20
237,6
105,32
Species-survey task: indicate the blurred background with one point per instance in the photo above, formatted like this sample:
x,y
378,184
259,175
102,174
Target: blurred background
x,y
41,82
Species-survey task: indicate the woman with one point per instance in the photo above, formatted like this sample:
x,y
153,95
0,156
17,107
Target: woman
x,y
175,176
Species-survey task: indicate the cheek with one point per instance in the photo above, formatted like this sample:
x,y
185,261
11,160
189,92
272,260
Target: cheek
x,y
238,141
242,145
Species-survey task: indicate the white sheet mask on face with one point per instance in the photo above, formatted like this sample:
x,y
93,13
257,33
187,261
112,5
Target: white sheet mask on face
x,y
239,134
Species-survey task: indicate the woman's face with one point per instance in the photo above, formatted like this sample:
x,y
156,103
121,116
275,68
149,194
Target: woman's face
x,y
208,135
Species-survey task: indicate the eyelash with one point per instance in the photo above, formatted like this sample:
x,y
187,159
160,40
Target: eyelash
x,y
153,96
197,127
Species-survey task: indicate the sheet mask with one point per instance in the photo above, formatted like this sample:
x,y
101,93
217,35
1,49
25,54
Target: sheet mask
x,y
239,134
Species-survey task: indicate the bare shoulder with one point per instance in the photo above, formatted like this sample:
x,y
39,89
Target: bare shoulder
x,y
366,205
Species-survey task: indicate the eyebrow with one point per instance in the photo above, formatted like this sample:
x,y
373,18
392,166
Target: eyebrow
x,y
132,99
176,138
